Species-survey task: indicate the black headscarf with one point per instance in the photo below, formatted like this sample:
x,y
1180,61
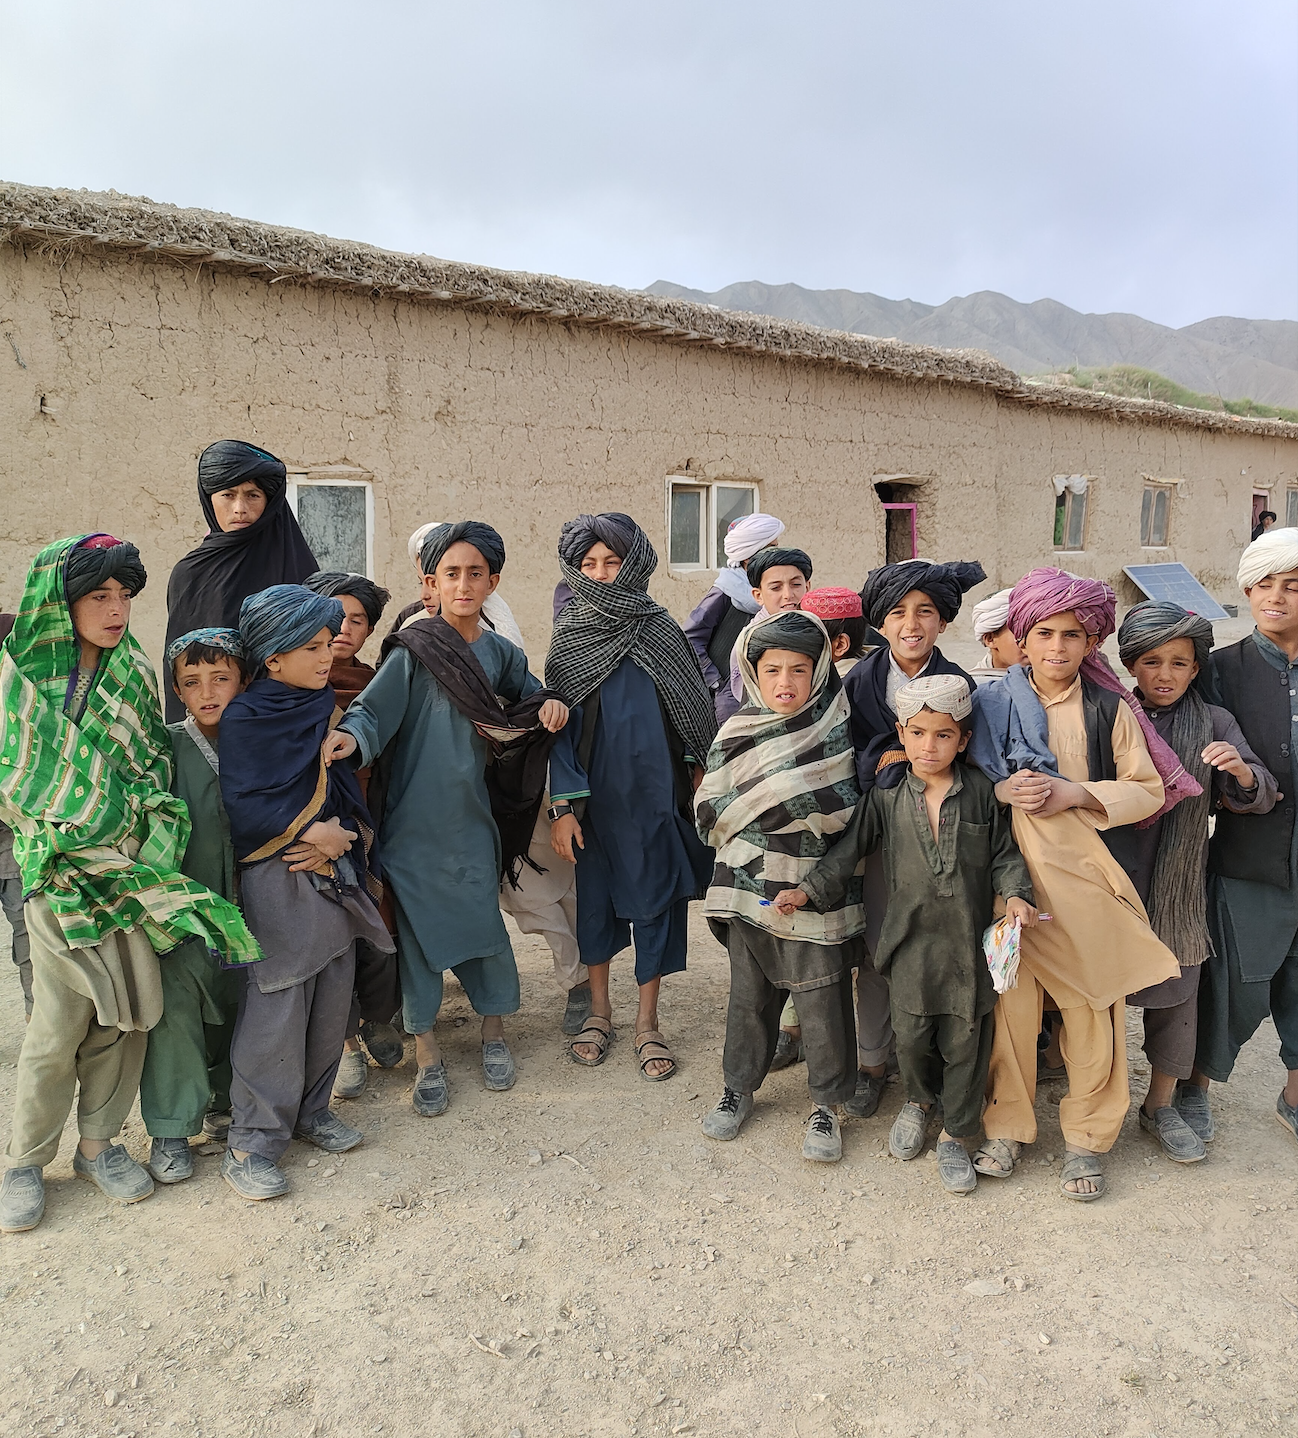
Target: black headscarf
x,y
335,582
468,531
616,531
790,630
208,584
770,558
99,558
945,585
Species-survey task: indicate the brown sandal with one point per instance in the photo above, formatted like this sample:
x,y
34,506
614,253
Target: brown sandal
x,y
598,1032
652,1039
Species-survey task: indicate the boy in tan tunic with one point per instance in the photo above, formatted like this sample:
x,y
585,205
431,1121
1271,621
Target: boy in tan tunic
x,y
1072,759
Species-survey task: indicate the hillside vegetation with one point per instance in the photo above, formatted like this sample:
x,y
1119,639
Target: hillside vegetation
x,y
1131,382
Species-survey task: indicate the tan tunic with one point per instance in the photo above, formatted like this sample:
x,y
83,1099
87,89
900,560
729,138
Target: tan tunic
x,y
1099,946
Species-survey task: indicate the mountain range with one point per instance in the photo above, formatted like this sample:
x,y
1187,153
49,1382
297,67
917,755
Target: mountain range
x,y
1232,358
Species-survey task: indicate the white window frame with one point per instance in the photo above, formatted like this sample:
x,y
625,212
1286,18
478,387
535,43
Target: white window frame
x,y
1152,488
1070,488
1291,508
713,555
322,478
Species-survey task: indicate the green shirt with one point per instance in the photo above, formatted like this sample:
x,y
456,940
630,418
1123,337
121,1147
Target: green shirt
x,y
209,855
940,893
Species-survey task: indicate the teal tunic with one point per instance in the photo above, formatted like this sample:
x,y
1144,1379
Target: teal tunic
x,y
438,842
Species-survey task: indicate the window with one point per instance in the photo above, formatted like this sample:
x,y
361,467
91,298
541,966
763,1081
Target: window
x,y
697,520
336,514
1291,508
1155,506
1070,511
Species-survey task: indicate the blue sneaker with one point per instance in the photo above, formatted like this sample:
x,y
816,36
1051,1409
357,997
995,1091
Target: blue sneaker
x,y
254,1177
171,1160
1286,1114
327,1131
115,1173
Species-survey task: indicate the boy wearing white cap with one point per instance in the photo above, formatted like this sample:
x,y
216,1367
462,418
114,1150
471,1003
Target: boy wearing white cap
x,y
948,851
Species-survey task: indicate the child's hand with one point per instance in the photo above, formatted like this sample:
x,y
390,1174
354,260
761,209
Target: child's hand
x,y
1226,756
564,833
338,744
553,715
329,837
787,901
1021,910
306,858
1026,790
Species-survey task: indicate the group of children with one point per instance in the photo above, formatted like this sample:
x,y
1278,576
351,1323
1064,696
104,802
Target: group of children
x,y
227,914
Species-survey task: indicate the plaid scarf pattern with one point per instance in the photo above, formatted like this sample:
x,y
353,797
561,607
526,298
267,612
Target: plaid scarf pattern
x,y
779,791
607,623
96,830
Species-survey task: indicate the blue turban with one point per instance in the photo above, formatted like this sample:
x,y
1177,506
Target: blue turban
x,y
468,531
226,641
285,617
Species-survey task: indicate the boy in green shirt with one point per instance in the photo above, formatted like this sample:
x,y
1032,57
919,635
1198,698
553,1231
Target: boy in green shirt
x,y
185,1086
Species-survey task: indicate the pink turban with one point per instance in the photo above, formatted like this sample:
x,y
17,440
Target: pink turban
x,y
831,603
1044,592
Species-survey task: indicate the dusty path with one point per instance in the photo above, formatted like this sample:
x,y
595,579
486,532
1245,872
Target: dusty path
x,y
576,1258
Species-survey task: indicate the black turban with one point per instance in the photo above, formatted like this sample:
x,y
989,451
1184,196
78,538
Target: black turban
x,y
769,558
1157,622
578,536
945,585
98,559
468,531
789,630
333,582
231,461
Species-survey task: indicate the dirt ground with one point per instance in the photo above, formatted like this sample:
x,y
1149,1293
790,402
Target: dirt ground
x,y
575,1258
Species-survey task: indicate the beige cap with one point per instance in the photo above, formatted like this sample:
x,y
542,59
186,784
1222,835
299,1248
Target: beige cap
x,y
942,693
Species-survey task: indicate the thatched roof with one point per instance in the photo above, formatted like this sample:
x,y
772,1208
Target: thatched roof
x,y
89,220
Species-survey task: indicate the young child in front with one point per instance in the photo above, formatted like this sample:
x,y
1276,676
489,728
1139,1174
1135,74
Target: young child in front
x,y
779,789
948,853
303,840
435,702
185,1086
1075,756
777,579
910,604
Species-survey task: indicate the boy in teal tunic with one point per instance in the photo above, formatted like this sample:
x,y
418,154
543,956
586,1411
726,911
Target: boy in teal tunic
x,y
434,701
185,1087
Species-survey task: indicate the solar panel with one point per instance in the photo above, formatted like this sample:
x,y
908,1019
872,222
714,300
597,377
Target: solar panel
x,y
1175,582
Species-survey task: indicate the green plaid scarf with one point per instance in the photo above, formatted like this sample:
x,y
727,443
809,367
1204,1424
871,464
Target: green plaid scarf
x,y
96,830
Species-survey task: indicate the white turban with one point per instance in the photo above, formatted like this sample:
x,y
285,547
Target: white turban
x,y
494,606
1275,552
749,534
992,614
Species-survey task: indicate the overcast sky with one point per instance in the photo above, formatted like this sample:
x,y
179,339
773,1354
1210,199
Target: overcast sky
x,y
1130,155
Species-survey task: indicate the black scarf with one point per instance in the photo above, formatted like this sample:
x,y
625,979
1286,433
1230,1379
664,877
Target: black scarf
x,y
880,759
519,747
208,584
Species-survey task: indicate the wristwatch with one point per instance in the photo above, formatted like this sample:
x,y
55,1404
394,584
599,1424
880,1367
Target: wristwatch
x,y
557,811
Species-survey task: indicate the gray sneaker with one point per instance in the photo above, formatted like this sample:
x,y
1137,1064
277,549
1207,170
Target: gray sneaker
x,y
498,1065
327,1131
577,1011
865,1101
1192,1104
349,1081
384,1044
906,1138
254,1177
22,1199
171,1160
1287,1115
217,1124
116,1174
954,1167
432,1091
1176,1138
824,1142
725,1121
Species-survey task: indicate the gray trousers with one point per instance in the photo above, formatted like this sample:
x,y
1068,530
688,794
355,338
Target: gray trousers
x,y
284,1055
944,1059
753,1028
1170,1033
11,900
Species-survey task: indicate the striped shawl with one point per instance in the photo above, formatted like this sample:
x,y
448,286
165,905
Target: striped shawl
x,y
96,830
778,793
